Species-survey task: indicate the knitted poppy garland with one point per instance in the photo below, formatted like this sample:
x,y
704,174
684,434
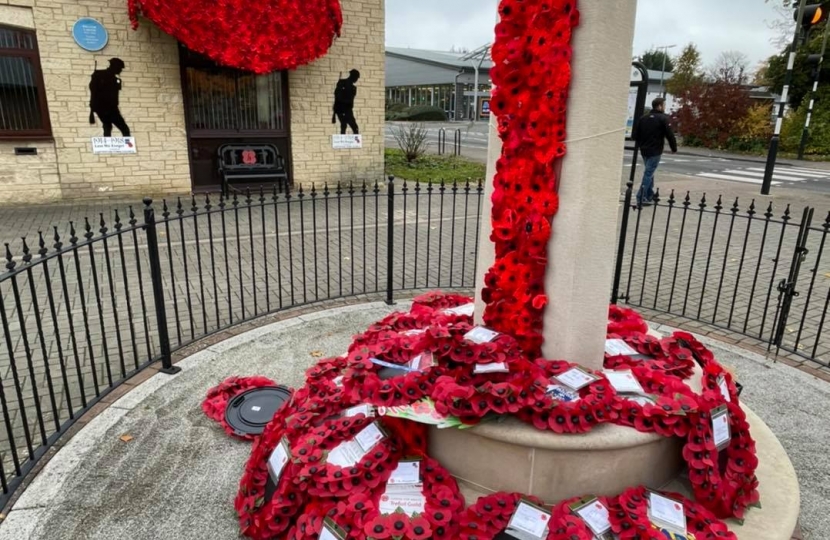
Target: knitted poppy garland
x,y
262,36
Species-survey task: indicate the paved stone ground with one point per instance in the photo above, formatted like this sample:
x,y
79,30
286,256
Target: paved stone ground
x,y
94,322
179,474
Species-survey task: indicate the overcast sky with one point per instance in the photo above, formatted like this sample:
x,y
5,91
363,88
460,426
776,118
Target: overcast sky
x,y
714,25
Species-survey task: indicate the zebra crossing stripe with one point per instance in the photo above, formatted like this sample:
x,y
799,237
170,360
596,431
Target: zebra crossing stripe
x,y
795,172
809,172
776,176
734,178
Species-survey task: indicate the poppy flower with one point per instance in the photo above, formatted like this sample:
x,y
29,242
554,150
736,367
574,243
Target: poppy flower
x,y
419,529
378,528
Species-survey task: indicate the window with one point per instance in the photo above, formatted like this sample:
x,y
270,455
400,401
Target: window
x,y
225,101
23,112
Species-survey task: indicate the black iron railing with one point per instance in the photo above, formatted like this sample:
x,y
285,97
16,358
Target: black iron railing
x,y
103,302
80,318
758,272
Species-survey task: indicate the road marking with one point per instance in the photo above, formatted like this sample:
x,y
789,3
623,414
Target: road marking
x,y
761,175
820,172
735,178
798,172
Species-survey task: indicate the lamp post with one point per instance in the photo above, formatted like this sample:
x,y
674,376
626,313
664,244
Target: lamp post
x,y
477,58
665,49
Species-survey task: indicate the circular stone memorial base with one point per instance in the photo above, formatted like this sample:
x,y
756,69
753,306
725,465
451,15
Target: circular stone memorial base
x,y
515,457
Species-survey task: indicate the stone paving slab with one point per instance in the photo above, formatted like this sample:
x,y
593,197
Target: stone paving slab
x,y
178,476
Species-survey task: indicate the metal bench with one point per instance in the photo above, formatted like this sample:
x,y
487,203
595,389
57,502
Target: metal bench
x,y
251,162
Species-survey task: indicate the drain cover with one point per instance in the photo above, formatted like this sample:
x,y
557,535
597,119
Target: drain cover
x,y
249,412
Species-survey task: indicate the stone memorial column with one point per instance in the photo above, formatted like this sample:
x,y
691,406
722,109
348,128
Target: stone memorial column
x,y
581,250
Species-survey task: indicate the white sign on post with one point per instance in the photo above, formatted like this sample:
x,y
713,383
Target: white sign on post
x,y
346,142
113,145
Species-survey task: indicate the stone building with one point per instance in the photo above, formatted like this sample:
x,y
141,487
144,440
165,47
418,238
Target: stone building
x,y
179,106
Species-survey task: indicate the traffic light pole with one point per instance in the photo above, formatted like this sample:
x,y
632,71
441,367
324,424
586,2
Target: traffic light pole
x,y
806,132
772,155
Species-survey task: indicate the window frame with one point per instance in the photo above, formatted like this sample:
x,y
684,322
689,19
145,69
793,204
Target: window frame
x,y
33,55
189,59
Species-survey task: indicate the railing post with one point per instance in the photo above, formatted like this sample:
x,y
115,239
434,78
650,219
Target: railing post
x,y
615,292
787,287
158,288
390,239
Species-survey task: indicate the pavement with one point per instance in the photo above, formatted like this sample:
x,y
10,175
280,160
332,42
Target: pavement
x,y
178,474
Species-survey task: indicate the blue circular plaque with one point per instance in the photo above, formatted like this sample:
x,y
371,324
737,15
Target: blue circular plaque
x,y
89,34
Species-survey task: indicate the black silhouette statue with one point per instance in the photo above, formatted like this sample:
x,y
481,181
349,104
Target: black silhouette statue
x,y
104,88
344,94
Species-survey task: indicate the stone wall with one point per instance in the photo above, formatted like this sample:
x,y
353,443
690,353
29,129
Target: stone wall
x,y
361,47
151,103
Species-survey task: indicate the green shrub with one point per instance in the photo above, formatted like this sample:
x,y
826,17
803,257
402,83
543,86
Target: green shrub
x,y
424,113
396,107
819,141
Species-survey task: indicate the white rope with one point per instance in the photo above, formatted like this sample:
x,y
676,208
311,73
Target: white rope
x,y
494,130
479,486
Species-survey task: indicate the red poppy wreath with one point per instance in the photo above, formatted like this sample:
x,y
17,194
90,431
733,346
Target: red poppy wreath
x,y
263,36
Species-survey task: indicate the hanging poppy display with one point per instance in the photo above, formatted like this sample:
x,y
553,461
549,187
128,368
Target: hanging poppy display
x,y
263,36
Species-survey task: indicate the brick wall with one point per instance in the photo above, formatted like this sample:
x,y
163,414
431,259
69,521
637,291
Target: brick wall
x,y
151,103
361,47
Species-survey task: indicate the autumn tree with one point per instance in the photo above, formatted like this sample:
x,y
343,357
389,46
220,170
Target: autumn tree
x,y
730,67
712,112
687,71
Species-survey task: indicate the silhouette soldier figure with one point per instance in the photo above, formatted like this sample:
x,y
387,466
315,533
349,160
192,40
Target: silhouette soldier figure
x,y
344,94
104,88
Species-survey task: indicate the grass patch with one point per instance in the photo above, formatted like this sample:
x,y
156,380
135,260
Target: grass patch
x,y
432,168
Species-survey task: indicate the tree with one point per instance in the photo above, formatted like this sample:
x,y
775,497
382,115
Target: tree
x,y
711,113
653,59
730,67
412,140
802,81
687,71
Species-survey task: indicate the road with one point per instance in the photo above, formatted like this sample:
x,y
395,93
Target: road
x,y
703,166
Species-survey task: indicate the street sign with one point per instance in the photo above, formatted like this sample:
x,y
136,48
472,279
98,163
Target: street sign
x,y
484,108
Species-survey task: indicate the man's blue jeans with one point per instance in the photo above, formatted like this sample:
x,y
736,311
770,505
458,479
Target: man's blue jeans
x,y
646,192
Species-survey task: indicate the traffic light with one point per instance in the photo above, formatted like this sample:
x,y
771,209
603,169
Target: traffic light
x,y
813,14
814,61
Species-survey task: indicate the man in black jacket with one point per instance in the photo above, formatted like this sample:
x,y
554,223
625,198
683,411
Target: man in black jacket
x,y
652,130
